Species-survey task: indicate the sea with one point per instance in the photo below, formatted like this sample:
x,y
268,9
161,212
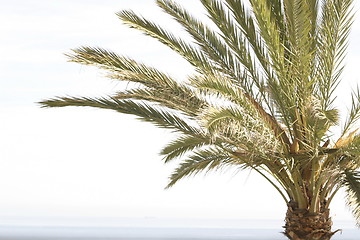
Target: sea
x,y
151,228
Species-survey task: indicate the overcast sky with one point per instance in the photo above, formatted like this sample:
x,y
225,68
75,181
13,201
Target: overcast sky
x,y
89,162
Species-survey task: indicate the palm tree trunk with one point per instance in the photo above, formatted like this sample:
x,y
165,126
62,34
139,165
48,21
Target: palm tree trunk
x,y
300,224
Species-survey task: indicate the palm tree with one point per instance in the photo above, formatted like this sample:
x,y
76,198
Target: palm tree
x,y
262,98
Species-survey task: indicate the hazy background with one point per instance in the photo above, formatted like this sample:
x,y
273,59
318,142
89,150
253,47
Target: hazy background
x,y
83,162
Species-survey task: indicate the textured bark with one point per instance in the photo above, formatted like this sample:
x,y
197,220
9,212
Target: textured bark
x,y
302,225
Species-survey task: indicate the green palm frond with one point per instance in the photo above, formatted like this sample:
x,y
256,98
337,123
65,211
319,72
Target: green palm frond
x,y
277,15
232,35
213,47
241,127
247,26
318,121
270,33
161,87
219,85
354,114
352,185
222,87
205,37
181,98
202,160
300,46
121,67
161,118
187,51
349,154
301,22
215,117
334,30
183,144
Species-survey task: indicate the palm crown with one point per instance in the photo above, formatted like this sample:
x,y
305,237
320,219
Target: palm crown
x,y
262,97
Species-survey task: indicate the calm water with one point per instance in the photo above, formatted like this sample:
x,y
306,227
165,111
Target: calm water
x,y
151,229
111,233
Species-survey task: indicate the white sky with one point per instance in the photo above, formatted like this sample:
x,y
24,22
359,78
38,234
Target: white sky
x,y
88,162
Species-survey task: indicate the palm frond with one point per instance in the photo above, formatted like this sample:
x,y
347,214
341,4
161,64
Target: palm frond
x,y
336,21
145,112
182,98
301,43
354,114
202,160
232,35
241,127
187,51
270,33
247,25
224,23
278,16
316,121
221,86
161,87
205,37
122,67
348,151
273,50
183,144
351,183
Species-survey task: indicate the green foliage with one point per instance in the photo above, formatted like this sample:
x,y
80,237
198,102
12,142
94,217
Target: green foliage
x,y
262,97
334,30
145,112
352,185
202,160
191,54
354,114
183,144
